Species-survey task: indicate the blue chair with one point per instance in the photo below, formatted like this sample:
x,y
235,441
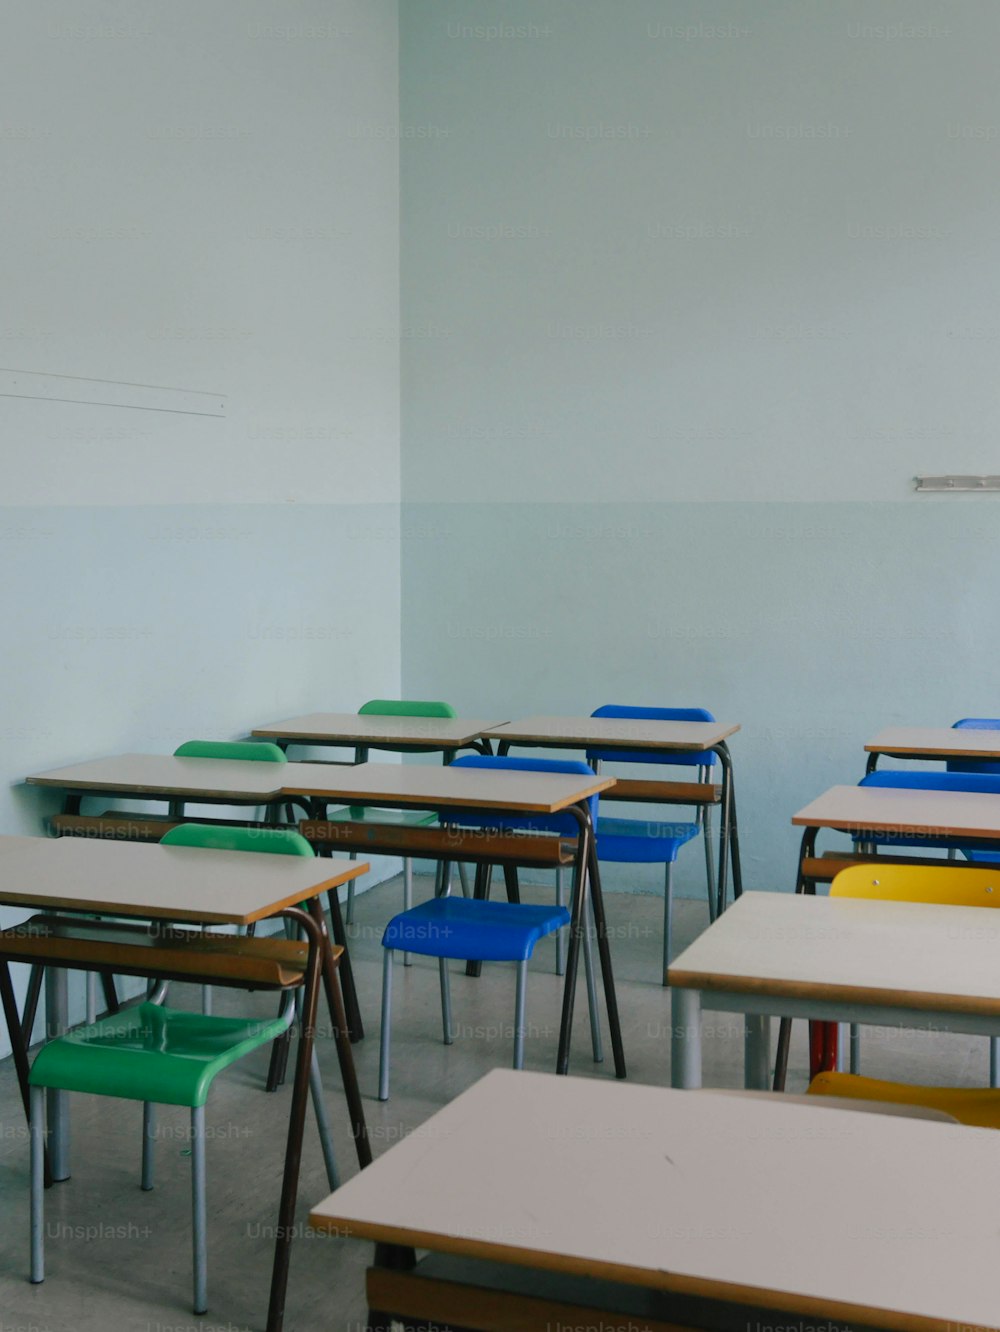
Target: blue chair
x,y
473,929
646,841
980,766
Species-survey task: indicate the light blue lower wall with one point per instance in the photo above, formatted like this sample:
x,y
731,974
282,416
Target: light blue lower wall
x,y
134,629
812,625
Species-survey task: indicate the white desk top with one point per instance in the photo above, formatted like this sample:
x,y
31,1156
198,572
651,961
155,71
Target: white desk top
x,y
352,729
430,786
936,742
595,732
903,811
884,1220
168,775
899,954
393,784
154,882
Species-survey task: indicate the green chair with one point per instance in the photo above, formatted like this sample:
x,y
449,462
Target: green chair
x,y
394,707
260,751
161,1055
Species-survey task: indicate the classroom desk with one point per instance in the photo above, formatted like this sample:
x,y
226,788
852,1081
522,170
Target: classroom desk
x,y
892,964
182,884
364,732
933,742
627,733
408,786
659,1209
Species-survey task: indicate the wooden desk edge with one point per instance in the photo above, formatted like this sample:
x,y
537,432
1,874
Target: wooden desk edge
x,y
723,731
701,1287
711,981
393,800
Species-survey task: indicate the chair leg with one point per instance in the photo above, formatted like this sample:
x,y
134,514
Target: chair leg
x,y
668,914
446,1026
199,1217
995,1061
148,1144
463,879
520,999
37,1132
709,861
383,1048
560,934
35,979
323,1124
407,896
588,968
91,1009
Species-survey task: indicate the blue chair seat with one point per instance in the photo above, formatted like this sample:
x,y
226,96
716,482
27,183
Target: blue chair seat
x,y
645,841
459,927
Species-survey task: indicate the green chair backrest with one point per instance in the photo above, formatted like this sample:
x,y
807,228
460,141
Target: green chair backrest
x,y
404,707
260,750
217,837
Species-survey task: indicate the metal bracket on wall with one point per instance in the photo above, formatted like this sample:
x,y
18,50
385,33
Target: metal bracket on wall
x,y
941,484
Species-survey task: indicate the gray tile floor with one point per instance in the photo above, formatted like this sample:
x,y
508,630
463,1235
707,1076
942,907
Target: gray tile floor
x,y
118,1260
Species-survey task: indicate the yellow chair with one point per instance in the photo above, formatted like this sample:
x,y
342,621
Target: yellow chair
x,y
949,885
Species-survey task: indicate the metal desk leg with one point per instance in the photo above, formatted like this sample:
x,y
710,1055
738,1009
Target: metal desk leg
x,y
57,1103
604,952
576,926
757,1051
807,848
729,842
685,1038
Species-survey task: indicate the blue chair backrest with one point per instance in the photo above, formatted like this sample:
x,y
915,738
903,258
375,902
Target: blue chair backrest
x,y
563,824
688,757
974,765
988,783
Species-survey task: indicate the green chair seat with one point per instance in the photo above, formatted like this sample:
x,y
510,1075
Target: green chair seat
x,y
151,1053
406,818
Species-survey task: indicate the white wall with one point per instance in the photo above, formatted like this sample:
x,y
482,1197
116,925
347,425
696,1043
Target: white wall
x,y
203,197
694,290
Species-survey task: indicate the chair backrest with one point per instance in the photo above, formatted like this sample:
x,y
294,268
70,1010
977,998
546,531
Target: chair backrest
x,y
261,751
951,885
987,783
217,837
565,825
974,765
683,757
405,707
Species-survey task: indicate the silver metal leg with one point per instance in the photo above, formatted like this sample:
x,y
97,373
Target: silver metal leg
x,y
91,996
37,1184
148,1144
206,990
849,1047
463,879
323,1124
383,1049
995,1061
757,1051
561,934
446,1026
56,1020
668,914
199,1219
685,1040
407,896
519,1006
588,968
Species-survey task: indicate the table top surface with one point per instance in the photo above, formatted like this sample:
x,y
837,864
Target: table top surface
x,y
150,881
716,1195
897,809
353,729
393,784
898,954
437,786
934,741
627,732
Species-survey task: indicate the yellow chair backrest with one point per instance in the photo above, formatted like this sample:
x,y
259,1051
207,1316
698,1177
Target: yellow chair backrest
x,y
951,885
